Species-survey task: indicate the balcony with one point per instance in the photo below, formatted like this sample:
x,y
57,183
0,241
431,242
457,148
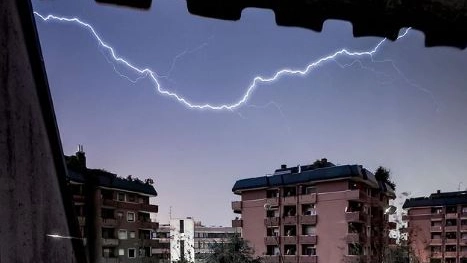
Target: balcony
x,y
131,206
309,220
451,215
271,240
290,200
164,239
436,242
436,216
290,258
463,228
271,259
108,222
436,254
436,229
462,254
149,242
274,201
463,215
355,238
450,229
450,254
237,207
355,217
308,239
148,224
109,242
271,221
357,195
309,259
353,259
289,240
237,223
160,251
290,220
307,198
78,198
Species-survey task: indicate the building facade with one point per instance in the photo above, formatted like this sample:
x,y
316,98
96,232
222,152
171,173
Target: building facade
x,y
188,240
437,227
315,213
114,213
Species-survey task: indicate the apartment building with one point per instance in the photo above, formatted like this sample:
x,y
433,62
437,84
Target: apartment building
x,y
437,227
315,213
114,213
187,239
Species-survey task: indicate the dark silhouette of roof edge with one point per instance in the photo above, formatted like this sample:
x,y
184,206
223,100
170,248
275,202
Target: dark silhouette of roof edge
x,y
437,199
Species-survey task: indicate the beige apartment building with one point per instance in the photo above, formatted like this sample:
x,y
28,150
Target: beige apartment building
x,y
114,213
437,227
315,213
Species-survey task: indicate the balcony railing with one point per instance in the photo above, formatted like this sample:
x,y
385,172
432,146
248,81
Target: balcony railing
x,y
308,220
290,258
450,241
237,206
108,222
450,254
451,215
290,200
436,229
289,240
355,217
237,223
308,259
437,241
271,259
436,254
463,215
437,216
307,198
357,195
271,240
463,228
271,221
131,206
160,250
273,201
290,220
450,228
308,239
148,224
109,242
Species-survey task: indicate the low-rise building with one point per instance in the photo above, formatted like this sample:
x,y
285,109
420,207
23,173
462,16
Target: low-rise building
x,y
437,227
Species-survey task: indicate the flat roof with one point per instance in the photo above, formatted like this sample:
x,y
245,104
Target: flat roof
x,y
437,199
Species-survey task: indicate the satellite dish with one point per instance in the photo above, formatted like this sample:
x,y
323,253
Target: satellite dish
x,y
390,210
267,206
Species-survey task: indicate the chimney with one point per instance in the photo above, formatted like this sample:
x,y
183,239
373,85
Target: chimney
x,y
80,155
438,191
324,161
283,166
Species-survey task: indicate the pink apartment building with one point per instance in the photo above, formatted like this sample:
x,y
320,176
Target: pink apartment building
x,y
315,213
437,227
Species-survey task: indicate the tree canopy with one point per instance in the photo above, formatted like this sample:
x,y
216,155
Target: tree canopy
x,y
233,250
384,175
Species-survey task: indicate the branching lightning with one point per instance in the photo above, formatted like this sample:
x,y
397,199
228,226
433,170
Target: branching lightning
x,y
146,72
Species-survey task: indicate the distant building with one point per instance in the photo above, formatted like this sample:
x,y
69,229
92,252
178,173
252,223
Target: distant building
x,y
315,213
187,239
114,214
437,227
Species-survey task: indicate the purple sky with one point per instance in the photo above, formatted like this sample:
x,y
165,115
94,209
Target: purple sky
x,y
408,114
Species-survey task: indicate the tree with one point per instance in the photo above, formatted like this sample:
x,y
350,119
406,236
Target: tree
x,y
233,250
384,175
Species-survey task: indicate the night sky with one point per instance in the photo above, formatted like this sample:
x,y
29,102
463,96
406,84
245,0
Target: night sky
x,y
405,110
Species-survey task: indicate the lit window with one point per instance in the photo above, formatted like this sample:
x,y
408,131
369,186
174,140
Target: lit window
x,y
131,253
121,252
132,234
130,217
122,234
119,214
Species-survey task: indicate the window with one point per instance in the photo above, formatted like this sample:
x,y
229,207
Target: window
x,y
122,234
131,198
182,226
108,252
308,230
451,235
121,197
272,193
308,250
289,249
131,253
132,234
436,210
121,252
309,190
182,249
451,209
119,214
130,217
464,209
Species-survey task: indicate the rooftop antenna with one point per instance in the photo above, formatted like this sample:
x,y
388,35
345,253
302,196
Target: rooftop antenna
x,y
459,186
170,212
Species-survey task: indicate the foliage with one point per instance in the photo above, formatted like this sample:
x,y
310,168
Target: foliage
x,y
234,250
384,175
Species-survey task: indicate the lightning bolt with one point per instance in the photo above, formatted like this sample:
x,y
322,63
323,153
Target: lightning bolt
x,y
146,72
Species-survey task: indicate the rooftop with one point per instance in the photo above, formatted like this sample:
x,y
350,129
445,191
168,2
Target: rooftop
x,y
311,174
437,199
